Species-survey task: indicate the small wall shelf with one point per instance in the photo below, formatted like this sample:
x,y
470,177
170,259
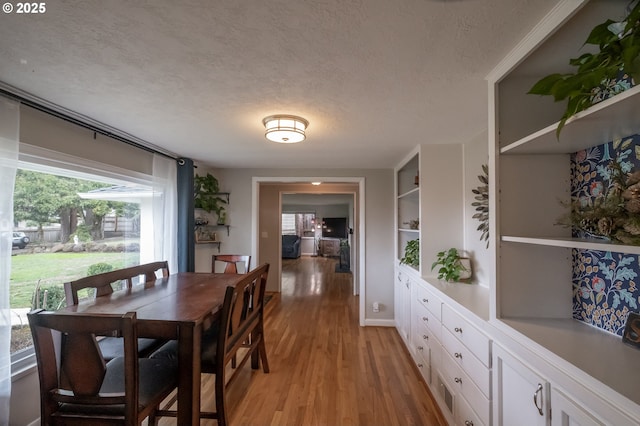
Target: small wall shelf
x,y
210,242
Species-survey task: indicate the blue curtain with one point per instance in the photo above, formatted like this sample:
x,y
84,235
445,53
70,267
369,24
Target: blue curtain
x,y
186,225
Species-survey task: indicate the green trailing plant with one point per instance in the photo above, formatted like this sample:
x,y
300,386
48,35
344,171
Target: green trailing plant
x,y
450,266
205,195
411,253
619,51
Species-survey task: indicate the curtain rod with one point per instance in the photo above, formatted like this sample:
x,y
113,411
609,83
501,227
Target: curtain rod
x,y
80,120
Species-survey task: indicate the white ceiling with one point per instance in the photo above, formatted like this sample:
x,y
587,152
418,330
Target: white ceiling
x,y
373,77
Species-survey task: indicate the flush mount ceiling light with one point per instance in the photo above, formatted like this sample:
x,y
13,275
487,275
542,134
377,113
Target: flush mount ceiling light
x,y
285,128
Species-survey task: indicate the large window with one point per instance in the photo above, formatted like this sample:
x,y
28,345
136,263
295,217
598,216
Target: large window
x,y
69,225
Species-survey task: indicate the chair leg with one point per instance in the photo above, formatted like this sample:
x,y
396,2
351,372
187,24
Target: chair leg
x,y
261,352
221,411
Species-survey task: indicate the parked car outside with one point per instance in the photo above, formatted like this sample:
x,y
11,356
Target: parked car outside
x,y
20,240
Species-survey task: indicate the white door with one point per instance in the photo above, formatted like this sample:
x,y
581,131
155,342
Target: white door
x,y
521,397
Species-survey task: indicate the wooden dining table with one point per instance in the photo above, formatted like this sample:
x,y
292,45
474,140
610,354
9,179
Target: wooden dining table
x,y
177,307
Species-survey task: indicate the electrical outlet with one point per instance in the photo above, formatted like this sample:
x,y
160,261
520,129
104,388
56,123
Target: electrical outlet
x,y
376,307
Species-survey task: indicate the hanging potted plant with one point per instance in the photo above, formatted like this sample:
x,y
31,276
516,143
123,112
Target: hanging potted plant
x,y
599,75
453,267
205,196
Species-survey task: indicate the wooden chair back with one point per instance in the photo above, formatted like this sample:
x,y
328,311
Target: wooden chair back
x,y
111,346
77,386
103,283
231,262
240,327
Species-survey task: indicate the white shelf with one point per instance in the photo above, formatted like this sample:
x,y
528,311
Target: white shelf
x,y
574,243
614,118
415,231
414,192
581,345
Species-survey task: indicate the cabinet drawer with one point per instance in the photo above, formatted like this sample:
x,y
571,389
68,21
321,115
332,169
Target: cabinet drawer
x,y
423,339
469,335
430,301
465,414
471,365
423,362
424,316
460,383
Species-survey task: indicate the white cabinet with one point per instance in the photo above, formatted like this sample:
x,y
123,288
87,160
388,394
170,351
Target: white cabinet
x,y
566,412
402,304
531,278
520,396
426,331
466,366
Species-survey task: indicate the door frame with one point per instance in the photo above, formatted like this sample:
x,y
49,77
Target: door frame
x,y
359,203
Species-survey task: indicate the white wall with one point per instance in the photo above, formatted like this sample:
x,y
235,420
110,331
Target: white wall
x,y
475,155
378,205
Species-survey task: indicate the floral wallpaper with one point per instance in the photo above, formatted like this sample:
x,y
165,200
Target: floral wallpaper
x,y
604,283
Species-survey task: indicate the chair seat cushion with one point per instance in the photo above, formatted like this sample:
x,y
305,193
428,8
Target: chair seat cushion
x,y
158,377
209,346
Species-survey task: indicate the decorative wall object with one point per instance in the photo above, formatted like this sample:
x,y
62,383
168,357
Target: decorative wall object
x,y
482,204
605,283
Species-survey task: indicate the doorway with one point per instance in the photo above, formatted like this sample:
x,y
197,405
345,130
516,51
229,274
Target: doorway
x,y
266,224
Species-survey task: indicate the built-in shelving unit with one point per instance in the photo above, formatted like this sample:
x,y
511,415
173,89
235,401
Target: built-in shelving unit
x,y
530,178
435,201
407,202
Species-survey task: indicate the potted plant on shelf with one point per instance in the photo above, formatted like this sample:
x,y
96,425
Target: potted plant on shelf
x,y
205,196
412,253
453,267
600,75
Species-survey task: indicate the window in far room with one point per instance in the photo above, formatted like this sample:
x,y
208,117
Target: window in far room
x,y
301,224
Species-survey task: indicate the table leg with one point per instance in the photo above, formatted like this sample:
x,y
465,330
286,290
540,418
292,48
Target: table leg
x,y
189,371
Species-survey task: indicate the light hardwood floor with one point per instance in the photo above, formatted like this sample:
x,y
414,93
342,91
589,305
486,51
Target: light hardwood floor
x,y
325,368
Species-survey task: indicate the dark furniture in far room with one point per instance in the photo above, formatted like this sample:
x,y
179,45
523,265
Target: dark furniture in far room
x,y
290,246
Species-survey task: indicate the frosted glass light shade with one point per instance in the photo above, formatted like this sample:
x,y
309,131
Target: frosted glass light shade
x,y
285,128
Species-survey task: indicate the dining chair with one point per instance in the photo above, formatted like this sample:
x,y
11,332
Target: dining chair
x,y
240,331
231,263
111,347
79,387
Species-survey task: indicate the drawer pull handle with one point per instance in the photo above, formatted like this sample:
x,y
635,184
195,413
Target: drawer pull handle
x,y
458,355
425,300
468,423
457,380
425,319
535,399
420,348
420,365
457,330
425,337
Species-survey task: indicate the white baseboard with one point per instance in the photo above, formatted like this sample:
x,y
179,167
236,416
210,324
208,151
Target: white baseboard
x,y
379,323
35,422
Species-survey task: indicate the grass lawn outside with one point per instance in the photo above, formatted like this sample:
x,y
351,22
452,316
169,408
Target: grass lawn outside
x,y
54,269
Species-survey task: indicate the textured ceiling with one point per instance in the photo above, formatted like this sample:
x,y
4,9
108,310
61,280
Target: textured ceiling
x,y
373,77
